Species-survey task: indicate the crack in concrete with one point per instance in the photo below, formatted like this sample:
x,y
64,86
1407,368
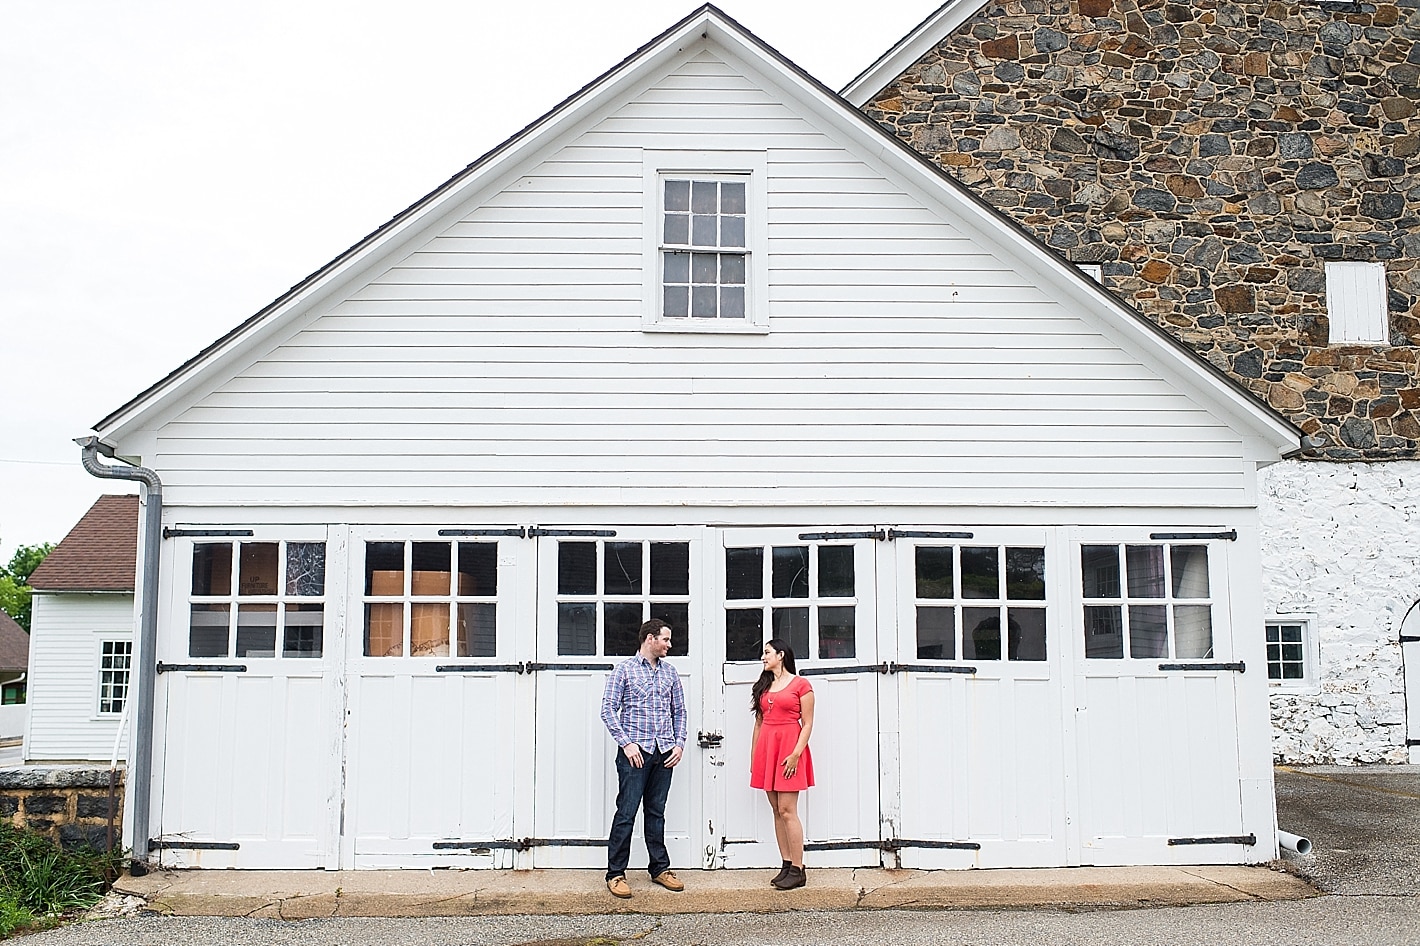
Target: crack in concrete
x,y
1219,883
276,903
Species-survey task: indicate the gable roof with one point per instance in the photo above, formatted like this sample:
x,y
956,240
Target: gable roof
x,y
912,47
14,645
99,554
1266,432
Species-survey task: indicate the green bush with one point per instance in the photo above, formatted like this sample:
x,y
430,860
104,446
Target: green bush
x,y
39,879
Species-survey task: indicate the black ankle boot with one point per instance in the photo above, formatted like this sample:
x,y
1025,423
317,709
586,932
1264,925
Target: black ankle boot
x,y
783,870
794,878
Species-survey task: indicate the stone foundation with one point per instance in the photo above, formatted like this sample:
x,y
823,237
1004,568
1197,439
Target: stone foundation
x,y
1341,541
68,803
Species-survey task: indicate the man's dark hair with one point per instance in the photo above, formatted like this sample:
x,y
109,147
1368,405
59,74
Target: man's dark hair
x,y
651,628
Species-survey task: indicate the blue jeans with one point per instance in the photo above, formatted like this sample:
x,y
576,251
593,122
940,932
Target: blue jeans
x,y
647,786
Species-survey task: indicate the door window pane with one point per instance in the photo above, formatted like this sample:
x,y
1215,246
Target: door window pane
x,y
744,574
980,575
430,570
258,572
936,633
256,630
678,617
623,622
835,571
980,632
208,630
1145,567
791,571
934,572
429,629
836,633
478,569
384,630
1190,570
1025,633
1148,631
1104,633
791,625
477,630
623,568
576,628
305,569
1193,631
1099,565
576,568
305,630
1025,574
744,634
212,569
384,568
670,568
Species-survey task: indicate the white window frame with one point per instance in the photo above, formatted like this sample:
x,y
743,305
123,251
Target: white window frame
x,y
99,710
1093,270
657,166
1310,682
1357,305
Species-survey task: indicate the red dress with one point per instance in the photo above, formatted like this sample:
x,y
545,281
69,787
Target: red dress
x,y
779,729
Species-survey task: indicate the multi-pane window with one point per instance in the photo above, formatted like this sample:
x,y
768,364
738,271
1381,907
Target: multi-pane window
x,y
704,254
980,602
257,599
1147,601
431,599
115,662
607,589
1286,652
805,595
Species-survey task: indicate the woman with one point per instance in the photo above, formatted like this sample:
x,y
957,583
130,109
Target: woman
x,y
780,763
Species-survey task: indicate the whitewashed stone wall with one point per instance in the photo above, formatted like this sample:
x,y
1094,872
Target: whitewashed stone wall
x,y
1342,541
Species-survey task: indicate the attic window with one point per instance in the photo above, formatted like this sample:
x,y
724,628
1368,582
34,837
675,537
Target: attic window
x,y
704,242
1356,303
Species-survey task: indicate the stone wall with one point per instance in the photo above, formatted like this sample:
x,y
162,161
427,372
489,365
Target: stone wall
x,y
1342,541
68,803
1211,156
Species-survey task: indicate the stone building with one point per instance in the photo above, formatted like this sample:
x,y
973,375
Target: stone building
x,y
1245,174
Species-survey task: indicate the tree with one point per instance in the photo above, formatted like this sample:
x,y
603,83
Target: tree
x,y
15,589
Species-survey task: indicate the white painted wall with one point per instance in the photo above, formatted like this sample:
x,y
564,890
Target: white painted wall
x,y
12,720
1342,541
67,634
503,361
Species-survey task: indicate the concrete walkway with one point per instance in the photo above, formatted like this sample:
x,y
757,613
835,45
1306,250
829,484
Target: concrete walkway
x,y
293,895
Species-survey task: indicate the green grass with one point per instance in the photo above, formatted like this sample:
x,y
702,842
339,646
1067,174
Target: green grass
x,y
39,881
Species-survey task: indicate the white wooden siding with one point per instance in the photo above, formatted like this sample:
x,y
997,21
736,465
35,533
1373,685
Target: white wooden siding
x,y
502,361
63,695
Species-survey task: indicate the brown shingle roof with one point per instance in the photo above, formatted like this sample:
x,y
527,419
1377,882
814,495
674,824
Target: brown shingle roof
x,y
98,554
14,645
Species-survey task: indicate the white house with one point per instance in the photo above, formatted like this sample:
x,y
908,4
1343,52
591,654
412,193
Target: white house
x,y
705,344
82,637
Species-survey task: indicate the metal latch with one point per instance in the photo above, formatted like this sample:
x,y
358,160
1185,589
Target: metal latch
x,y
710,740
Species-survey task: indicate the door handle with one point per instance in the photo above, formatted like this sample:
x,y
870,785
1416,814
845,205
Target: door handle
x,y
710,740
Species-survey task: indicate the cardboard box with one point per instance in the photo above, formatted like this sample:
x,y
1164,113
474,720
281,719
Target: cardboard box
x,y
429,630
387,582
384,630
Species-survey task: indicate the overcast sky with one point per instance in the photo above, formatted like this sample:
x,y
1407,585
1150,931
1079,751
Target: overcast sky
x,y
169,168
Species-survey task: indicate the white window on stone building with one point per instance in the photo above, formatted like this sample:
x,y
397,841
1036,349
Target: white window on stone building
x,y
1093,270
1356,303
115,661
1291,652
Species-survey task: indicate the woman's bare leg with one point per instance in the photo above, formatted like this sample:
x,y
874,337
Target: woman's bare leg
x,y
786,813
779,834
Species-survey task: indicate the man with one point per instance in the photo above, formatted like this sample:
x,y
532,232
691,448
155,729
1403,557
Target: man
x,y
644,710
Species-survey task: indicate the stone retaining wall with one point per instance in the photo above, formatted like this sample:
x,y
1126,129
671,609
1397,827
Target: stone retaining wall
x,y
68,803
1211,156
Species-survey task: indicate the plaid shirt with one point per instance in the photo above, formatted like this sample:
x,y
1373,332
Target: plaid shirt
x,y
644,703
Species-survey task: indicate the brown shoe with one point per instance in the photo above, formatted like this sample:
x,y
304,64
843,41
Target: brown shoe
x,y
619,888
668,880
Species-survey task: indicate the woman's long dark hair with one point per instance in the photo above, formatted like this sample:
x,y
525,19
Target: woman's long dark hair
x,y
761,686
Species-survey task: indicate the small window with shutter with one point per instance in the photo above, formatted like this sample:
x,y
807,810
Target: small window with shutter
x,y
1356,303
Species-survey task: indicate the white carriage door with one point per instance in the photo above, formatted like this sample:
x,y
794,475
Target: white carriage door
x,y
1410,662
979,675
247,704
595,588
432,695
814,589
1156,702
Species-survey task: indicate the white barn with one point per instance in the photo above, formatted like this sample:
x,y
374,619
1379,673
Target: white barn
x,y
703,343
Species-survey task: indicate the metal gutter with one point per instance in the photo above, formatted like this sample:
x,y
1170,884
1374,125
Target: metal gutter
x,y
139,779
